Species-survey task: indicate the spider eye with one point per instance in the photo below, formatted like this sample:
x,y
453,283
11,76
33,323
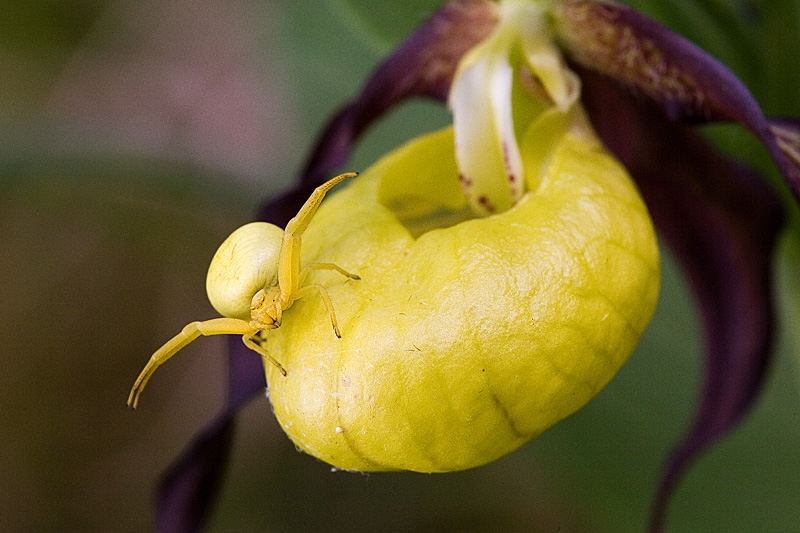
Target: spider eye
x,y
258,300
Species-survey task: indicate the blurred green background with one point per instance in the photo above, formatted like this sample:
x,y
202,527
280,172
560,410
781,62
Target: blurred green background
x,y
134,136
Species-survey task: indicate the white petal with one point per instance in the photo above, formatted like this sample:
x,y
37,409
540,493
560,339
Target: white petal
x,y
486,149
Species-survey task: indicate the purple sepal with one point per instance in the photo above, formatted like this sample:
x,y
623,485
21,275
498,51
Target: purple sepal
x,y
188,489
643,55
722,221
423,65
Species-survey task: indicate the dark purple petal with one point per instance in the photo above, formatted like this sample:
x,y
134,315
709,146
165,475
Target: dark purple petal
x,y
643,55
422,66
722,222
190,486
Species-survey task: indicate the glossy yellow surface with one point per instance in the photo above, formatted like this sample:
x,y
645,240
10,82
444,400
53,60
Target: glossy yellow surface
x,y
461,342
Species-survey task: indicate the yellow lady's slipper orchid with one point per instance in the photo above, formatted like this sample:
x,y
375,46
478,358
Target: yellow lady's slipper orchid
x,y
460,343
464,336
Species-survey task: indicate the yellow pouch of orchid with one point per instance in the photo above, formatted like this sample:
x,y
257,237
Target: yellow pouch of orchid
x,y
465,337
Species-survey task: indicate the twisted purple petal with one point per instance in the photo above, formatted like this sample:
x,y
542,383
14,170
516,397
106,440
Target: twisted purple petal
x,y
722,221
190,486
648,58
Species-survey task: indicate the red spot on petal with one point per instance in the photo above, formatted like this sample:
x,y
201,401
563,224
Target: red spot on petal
x,y
507,162
486,204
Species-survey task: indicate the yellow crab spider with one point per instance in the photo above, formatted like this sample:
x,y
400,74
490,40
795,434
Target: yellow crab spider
x,y
253,278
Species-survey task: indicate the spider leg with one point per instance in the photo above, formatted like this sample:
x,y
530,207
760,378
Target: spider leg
x,y
289,258
254,343
215,326
325,266
326,299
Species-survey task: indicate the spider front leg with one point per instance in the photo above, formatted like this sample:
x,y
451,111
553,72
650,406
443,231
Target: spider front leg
x,y
254,343
215,326
289,258
323,292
